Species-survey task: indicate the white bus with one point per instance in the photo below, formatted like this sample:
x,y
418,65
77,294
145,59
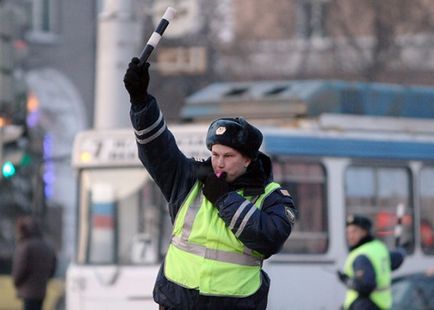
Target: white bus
x,y
123,225
333,165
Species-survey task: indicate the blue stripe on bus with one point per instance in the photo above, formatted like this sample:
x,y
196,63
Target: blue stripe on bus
x,y
103,209
333,147
200,111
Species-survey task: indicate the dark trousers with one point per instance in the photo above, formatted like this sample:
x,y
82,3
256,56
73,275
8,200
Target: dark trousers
x,y
32,304
363,303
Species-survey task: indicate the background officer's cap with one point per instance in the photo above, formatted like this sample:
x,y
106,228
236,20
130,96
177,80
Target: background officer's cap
x,y
361,221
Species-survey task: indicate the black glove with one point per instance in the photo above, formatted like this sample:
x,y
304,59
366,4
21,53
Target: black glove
x,y
204,169
342,277
215,187
136,81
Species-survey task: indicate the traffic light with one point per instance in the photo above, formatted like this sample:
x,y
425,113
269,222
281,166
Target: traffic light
x,y
12,154
8,169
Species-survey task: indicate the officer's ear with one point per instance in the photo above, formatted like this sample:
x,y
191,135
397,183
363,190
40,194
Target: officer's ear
x,y
246,161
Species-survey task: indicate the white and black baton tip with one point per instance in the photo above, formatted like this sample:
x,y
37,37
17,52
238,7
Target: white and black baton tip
x,y
157,34
400,210
169,14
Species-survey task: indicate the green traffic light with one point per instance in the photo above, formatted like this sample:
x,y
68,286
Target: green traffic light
x,y
8,169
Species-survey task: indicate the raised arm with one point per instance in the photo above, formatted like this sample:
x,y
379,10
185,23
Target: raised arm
x,y
173,172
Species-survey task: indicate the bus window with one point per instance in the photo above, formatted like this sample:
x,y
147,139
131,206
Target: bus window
x,y
306,184
427,210
121,211
376,192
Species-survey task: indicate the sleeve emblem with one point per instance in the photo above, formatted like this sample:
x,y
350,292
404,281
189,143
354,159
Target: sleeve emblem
x,y
290,214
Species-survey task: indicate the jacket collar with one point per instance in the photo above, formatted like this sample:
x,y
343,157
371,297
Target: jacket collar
x,y
362,241
253,182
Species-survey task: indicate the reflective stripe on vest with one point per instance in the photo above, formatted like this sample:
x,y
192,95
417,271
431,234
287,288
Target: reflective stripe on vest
x,y
205,254
378,255
222,256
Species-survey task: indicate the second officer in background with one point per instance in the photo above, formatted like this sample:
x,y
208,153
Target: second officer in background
x,y
367,270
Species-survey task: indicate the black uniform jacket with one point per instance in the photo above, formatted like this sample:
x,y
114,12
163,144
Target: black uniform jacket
x,y
266,230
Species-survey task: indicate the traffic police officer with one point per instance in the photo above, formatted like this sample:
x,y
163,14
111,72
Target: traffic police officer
x,y
227,213
367,270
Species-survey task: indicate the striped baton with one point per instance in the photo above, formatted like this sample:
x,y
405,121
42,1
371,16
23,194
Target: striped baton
x,y
400,210
157,34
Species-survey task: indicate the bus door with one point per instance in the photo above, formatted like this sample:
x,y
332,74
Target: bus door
x,y
122,230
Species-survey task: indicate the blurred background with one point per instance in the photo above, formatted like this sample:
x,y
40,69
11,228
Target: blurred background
x,y
56,54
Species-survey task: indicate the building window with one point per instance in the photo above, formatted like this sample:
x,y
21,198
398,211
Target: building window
x,y
376,192
312,17
41,16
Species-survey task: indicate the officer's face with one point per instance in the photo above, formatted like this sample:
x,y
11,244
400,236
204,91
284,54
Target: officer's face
x,y
229,160
355,234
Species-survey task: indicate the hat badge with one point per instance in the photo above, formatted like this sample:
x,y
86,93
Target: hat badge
x,y
221,130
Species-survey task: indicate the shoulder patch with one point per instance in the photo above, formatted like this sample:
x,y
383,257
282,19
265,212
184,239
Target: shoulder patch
x,y
359,273
284,192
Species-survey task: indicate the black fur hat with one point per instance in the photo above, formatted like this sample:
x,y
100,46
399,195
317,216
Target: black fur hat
x,y
361,221
236,133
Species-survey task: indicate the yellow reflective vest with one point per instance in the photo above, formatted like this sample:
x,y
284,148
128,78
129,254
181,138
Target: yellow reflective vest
x,y
378,255
204,254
